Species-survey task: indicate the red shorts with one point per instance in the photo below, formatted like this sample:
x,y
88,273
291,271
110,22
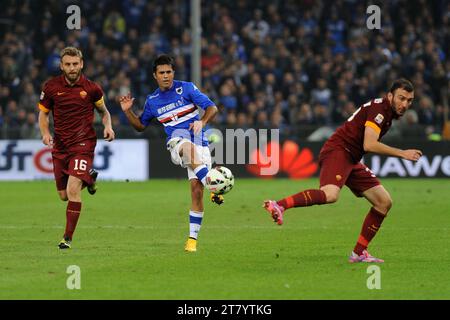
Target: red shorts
x,y
76,161
338,168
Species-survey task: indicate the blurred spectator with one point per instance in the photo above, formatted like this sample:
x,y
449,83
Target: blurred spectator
x,y
228,100
29,99
292,63
242,120
115,23
321,94
257,29
30,128
305,115
321,114
426,111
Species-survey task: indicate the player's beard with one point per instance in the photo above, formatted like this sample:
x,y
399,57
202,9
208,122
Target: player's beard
x,y
397,114
72,77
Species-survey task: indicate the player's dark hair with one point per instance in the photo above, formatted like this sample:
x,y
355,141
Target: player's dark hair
x,y
163,59
401,83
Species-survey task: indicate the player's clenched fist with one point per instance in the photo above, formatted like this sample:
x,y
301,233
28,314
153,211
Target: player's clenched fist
x,y
412,154
126,102
47,139
108,134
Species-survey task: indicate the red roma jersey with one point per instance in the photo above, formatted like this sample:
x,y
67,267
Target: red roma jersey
x,y
377,114
72,108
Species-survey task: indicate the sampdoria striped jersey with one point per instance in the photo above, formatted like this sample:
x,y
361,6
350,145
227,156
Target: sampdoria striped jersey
x,y
175,109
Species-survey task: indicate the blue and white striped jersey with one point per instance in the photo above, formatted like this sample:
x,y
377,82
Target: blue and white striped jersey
x,y
176,108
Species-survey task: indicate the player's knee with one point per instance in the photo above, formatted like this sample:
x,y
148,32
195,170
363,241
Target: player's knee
x,y
63,196
197,192
332,195
73,192
386,204
383,205
196,188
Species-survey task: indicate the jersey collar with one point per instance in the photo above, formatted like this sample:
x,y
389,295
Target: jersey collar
x,y
76,84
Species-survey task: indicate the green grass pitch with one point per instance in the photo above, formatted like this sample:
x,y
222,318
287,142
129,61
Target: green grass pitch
x,y
130,239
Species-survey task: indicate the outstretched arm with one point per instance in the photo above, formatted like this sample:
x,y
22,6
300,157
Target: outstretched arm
x,y
108,132
371,144
126,102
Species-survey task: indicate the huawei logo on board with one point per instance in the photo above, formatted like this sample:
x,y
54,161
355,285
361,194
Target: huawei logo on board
x,y
296,163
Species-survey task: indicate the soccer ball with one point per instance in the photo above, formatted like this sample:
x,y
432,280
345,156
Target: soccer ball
x,y
219,180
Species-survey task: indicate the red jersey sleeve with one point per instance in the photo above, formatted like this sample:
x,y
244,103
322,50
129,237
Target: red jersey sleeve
x,y
45,100
376,115
97,95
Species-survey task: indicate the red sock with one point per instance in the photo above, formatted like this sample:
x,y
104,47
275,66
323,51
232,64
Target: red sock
x,y
72,214
304,199
369,229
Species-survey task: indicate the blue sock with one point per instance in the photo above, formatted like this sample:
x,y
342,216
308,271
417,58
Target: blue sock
x,y
201,172
195,222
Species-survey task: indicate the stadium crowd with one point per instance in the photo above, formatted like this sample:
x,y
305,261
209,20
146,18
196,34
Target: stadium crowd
x,y
286,64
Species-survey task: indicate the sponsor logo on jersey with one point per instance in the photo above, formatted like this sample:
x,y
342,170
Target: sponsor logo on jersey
x,y
60,93
171,106
379,118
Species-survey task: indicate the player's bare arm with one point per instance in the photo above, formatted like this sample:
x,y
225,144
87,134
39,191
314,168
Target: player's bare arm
x,y
197,126
44,122
371,144
126,102
108,132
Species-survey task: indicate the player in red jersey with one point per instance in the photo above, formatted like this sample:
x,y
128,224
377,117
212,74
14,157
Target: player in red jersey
x,y
72,98
340,164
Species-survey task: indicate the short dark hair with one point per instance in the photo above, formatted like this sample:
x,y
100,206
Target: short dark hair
x,y
163,59
401,83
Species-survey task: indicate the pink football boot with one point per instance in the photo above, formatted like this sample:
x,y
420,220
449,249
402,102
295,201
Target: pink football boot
x,y
275,210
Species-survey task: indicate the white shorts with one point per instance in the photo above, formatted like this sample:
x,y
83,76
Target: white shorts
x,y
174,145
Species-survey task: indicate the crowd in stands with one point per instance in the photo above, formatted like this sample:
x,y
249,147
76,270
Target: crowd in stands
x,y
268,63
